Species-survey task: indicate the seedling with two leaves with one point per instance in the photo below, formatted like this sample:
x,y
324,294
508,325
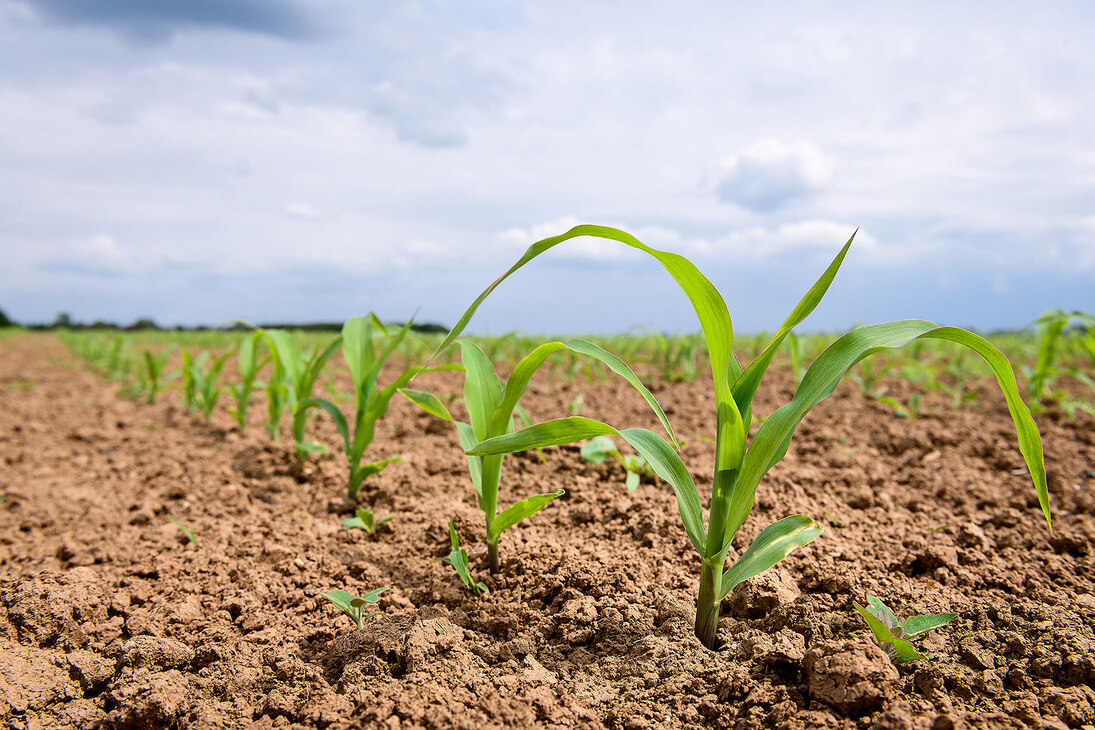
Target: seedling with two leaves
x,y
458,559
740,464
600,449
893,635
354,606
366,521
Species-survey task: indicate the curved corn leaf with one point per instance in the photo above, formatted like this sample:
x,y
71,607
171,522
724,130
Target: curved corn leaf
x,y
333,411
710,309
522,374
771,546
518,511
773,438
658,454
428,402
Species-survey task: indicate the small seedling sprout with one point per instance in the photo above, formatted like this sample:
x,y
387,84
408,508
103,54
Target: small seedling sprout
x,y
366,521
893,635
458,559
598,450
354,606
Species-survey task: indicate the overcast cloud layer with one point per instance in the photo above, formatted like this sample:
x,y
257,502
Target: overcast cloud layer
x,y
197,160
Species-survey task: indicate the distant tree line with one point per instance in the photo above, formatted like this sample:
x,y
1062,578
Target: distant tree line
x,y
65,321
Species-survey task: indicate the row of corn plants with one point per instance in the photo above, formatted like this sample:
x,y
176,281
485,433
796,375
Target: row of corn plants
x,y
492,405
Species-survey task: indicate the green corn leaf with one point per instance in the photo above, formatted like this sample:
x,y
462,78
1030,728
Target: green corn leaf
x,y
522,374
428,402
746,386
710,309
881,611
878,627
475,463
917,625
518,511
482,389
903,652
631,481
772,545
286,354
357,347
658,454
334,412
773,438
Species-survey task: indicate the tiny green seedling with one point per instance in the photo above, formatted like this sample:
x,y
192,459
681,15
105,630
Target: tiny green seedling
x,y
893,635
366,521
354,606
598,450
186,531
458,559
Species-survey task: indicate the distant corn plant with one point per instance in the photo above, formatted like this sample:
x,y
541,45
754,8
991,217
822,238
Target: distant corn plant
x,y
365,360
491,404
740,465
249,364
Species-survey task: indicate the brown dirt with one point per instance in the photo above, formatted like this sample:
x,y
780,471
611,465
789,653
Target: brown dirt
x,y
111,618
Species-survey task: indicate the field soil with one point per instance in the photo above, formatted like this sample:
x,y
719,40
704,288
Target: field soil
x,y
111,617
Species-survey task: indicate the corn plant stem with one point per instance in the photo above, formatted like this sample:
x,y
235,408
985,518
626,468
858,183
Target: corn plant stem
x,y
707,609
492,556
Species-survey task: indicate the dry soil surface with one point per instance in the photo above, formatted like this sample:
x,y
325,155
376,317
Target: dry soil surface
x,y
112,618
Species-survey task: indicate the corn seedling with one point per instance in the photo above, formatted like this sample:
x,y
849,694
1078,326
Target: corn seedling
x,y
600,449
458,559
740,466
354,606
186,531
291,384
491,404
365,360
200,382
366,521
151,378
249,366
893,635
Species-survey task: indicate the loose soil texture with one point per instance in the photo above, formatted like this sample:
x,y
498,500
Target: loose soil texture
x,y
113,618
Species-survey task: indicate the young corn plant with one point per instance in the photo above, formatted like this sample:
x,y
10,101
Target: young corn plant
x,y
249,366
458,559
202,391
740,465
491,405
354,606
893,635
602,448
291,384
151,378
366,520
359,348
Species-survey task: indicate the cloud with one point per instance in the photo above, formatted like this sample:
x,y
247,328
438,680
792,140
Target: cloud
x,y
771,173
158,21
303,210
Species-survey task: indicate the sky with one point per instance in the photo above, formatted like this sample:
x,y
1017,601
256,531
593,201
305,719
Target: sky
x,y
195,161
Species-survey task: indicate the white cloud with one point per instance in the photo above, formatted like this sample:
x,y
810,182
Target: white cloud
x,y
772,173
303,210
